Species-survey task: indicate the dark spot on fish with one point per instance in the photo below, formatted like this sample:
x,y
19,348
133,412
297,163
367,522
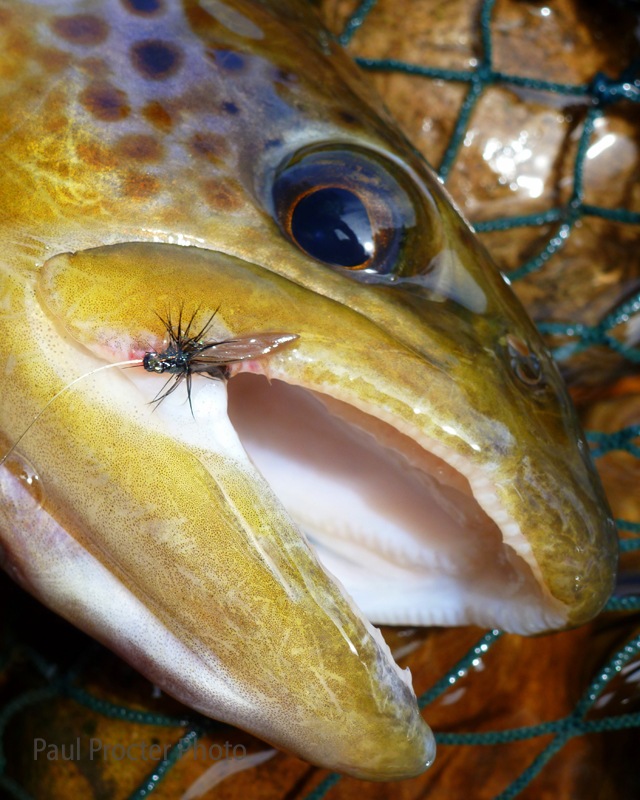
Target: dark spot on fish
x,y
222,196
211,146
156,59
347,117
287,93
144,7
272,143
81,29
229,60
139,146
230,108
138,185
284,76
158,116
105,102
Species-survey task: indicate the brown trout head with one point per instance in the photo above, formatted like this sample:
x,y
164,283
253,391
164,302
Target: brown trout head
x,y
200,158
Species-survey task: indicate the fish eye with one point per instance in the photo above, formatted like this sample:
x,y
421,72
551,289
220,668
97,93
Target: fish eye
x,y
524,362
352,209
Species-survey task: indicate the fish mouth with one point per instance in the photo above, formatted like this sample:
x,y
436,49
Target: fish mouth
x,y
413,538
431,503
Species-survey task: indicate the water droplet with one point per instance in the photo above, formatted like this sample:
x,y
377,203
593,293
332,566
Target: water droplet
x,y
25,479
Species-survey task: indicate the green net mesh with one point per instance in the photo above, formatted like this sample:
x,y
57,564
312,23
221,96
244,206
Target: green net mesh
x,y
603,95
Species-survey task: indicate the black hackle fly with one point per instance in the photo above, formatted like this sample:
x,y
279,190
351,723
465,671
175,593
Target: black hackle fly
x,y
189,354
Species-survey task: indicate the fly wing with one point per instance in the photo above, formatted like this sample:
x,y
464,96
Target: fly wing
x,y
218,354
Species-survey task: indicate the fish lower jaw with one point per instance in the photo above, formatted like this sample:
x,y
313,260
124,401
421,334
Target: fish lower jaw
x,y
412,540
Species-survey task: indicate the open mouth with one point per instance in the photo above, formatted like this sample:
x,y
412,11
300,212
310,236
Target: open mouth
x,y
417,530
401,529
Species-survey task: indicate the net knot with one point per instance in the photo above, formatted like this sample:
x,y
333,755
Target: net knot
x,y
484,74
607,90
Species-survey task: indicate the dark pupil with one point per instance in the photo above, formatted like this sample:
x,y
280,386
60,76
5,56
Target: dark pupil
x,y
332,225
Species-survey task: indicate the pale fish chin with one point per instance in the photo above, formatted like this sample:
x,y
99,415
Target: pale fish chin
x,y
412,540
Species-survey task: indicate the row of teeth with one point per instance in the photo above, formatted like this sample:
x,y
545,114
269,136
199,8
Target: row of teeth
x,y
408,557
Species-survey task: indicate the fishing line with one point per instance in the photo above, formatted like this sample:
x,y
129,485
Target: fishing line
x,y
130,363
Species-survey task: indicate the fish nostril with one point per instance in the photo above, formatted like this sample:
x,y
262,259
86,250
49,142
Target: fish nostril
x,y
524,362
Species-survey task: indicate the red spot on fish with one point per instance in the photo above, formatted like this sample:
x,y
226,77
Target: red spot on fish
x,y
95,155
158,116
53,60
105,101
211,146
139,147
139,185
222,196
84,29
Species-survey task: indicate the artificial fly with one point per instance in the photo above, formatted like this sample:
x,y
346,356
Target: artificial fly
x,y
185,355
